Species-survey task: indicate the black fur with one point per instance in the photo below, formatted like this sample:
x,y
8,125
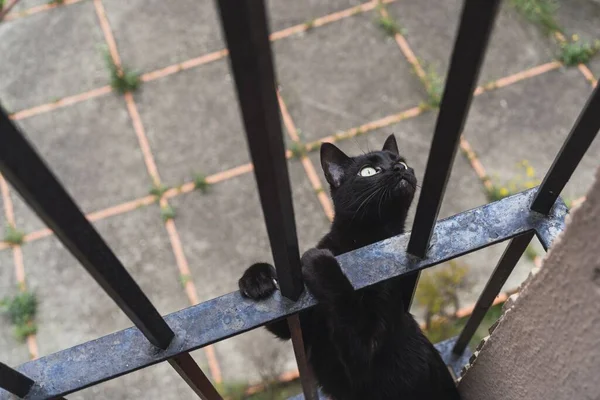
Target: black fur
x,y
361,345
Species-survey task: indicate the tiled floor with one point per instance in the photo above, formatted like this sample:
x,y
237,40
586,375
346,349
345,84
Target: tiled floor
x,y
342,74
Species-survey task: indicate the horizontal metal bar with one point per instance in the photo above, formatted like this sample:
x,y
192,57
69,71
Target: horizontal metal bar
x,y
26,171
577,143
505,266
476,24
191,373
246,30
217,319
14,381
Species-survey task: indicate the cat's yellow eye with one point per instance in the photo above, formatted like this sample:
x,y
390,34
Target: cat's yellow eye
x,y
368,171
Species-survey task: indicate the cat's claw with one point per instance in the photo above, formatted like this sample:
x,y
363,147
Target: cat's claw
x,y
258,282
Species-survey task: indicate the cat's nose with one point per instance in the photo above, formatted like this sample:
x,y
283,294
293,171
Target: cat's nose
x,y
399,167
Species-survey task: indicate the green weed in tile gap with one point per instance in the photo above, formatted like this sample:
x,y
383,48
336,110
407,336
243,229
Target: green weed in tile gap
x,y
530,253
13,236
574,52
21,310
540,12
523,179
57,2
437,293
184,279
319,190
158,190
200,183
1,4
388,25
434,86
123,81
310,24
298,149
167,212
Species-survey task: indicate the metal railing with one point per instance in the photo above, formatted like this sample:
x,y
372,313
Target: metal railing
x,y
154,339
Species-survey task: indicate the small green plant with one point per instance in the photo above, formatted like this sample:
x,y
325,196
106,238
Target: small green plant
x,y
434,86
21,310
575,52
123,80
200,183
319,190
158,190
540,12
1,4
13,236
57,2
438,291
310,24
530,253
167,212
523,180
388,25
184,279
298,149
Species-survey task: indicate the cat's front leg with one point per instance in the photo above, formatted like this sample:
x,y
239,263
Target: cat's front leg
x,y
324,278
258,283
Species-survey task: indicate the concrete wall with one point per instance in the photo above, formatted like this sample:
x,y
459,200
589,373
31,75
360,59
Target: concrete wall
x,y
547,344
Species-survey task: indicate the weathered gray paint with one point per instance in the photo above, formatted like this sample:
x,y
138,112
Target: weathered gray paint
x,y
547,346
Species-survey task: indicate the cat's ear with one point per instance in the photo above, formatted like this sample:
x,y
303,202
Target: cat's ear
x,y
332,161
391,145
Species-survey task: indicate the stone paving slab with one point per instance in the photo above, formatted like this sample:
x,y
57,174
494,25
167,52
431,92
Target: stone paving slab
x,y
286,13
342,75
50,55
104,166
464,192
223,233
430,28
153,34
12,351
530,121
193,123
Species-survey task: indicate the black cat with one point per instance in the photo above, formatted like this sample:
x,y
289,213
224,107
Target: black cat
x,y
361,345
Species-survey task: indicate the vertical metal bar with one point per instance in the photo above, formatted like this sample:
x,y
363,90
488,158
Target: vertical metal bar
x,y
246,30
245,26
306,374
14,381
191,373
475,27
505,266
573,149
27,172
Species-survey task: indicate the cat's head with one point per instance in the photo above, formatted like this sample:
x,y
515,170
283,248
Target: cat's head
x,y
375,186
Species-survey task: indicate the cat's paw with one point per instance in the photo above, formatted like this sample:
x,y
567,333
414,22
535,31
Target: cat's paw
x,y
323,275
258,282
